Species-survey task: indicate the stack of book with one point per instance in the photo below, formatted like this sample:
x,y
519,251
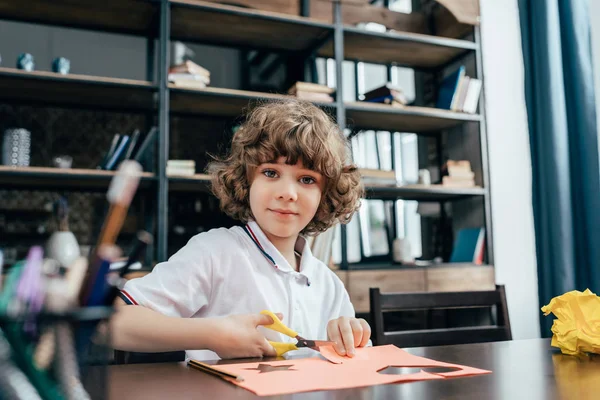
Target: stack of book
x,y
458,174
387,94
377,176
459,92
181,167
312,92
127,147
189,75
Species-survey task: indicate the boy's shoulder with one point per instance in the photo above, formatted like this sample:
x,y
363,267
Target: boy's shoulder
x,y
218,240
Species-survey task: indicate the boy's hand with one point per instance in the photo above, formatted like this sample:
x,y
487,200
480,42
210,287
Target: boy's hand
x,y
236,336
348,333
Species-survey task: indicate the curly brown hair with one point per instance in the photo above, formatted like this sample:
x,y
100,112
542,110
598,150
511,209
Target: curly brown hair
x,y
296,130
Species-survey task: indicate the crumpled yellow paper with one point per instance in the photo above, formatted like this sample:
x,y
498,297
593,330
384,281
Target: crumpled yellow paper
x,y
577,327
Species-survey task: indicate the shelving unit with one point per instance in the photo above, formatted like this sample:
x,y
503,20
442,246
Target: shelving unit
x,y
196,21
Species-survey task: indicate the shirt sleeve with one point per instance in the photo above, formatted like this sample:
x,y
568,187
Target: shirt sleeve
x,y
179,287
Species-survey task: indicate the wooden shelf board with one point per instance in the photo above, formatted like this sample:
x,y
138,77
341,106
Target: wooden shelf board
x,y
195,183
218,24
446,278
201,182
402,48
404,119
75,90
421,192
389,265
219,101
138,17
45,178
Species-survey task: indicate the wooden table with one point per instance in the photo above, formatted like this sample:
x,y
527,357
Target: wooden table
x,y
523,369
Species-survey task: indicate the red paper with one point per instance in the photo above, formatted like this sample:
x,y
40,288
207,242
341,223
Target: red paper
x,y
311,374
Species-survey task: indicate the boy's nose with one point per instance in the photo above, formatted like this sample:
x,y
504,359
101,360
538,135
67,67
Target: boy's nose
x,y
287,191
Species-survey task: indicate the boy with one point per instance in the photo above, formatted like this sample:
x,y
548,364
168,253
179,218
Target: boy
x,y
287,175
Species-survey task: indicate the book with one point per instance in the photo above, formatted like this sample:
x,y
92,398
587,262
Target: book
x,y
117,155
387,93
314,96
310,87
145,145
457,182
447,95
370,175
472,97
189,84
462,90
468,246
190,67
135,136
176,77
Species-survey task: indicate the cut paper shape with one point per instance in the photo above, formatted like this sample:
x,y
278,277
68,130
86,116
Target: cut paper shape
x,y
311,374
264,368
330,354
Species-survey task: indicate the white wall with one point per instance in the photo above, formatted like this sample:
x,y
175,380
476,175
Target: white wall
x,y
510,164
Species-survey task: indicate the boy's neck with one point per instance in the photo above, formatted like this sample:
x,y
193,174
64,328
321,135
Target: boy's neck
x,y
286,248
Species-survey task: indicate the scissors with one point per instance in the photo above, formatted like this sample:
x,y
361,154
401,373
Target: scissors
x,y
282,348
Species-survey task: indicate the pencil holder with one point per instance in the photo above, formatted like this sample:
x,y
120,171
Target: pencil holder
x,y
16,145
55,356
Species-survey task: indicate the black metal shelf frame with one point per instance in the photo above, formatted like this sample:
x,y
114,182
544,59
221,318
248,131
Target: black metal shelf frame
x,y
162,20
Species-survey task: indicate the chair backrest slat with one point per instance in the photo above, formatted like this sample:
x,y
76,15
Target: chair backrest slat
x,y
386,302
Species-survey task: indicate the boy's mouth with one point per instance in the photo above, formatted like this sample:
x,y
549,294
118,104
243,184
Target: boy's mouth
x,y
282,211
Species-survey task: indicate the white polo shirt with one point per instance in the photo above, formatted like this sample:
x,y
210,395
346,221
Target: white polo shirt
x,y
239,271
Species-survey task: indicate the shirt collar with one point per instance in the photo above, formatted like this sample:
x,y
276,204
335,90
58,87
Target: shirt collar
x,y
270,252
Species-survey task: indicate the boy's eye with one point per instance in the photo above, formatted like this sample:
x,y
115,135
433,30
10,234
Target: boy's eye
x,y
269,173
308,180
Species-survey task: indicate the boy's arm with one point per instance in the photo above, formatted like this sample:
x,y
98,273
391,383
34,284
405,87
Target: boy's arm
x,y
137,328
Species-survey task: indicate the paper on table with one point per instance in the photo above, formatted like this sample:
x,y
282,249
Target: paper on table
x,y
309,374
577,325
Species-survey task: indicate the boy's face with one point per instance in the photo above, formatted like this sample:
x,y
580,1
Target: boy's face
x,y
284,198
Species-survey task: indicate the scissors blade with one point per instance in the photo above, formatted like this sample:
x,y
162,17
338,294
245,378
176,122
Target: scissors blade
x,y
313,344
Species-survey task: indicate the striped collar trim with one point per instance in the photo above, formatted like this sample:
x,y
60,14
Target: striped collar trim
x,y
259,246
252,236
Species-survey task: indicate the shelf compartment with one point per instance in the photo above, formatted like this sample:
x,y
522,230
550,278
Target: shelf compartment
x,y
406,49
424,120
217,24
220,102
137,17
45,178
72,90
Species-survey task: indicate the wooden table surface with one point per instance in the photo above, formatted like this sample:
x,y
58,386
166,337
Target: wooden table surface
x,y
521,369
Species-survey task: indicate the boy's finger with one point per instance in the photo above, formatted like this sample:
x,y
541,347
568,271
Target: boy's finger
x,y
262,319
347,336
333,333
366,333
268,350
357,331
279,315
